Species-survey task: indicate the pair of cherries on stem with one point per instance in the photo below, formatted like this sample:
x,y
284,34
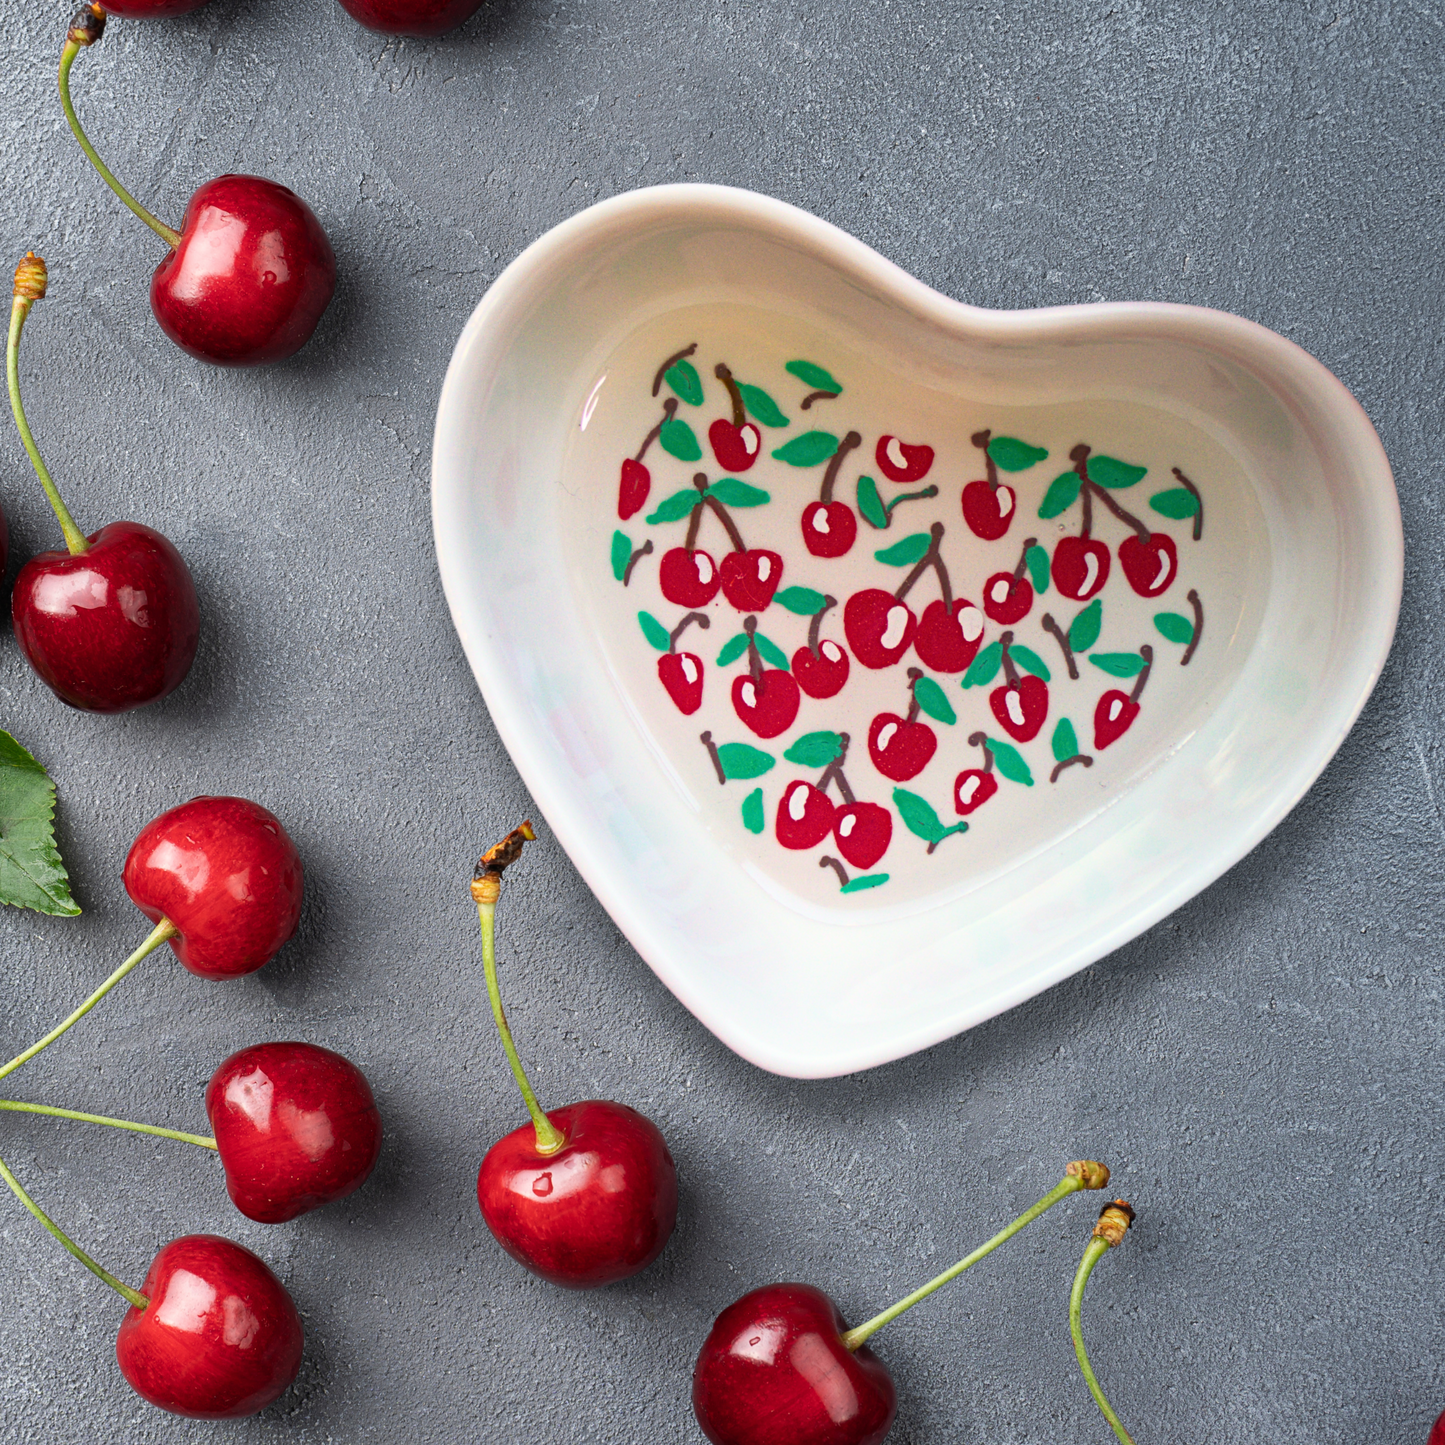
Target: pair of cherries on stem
x,y
806,815
420,18
583,1195
747,576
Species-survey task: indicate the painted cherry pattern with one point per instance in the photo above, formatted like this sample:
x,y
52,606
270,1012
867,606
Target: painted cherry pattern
x,y
635,483
765,698
821,668
1021,705
1150,561
681,673
901,747
687,575
1115,711
988,504
901,461
806,815
737,443
880,627
829,526
1009,596
973,787
951,628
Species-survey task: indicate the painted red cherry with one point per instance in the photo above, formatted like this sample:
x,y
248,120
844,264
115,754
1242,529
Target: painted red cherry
x,y
296,1127
682,674
768,704
1437,1435
735,447
632,488
829,528
1021,707
219,1339
1113,715
988,510
823,674
879,628
420,18
1080,567
774,1370
804,817
750,578
688,578
948,636
1007,598
225,874
901,462
862,832
1150,566
900,750
972,788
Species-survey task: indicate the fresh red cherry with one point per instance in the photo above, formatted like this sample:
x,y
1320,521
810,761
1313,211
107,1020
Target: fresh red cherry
x,y
1007,598
735,447
296,1127
805,816
768,703
948,635
750,578
774,1370
151,9
249,272
900,750
1080,567
821,674
988,510
420,18
1150,566
900,462
862,832
879,627
632,488
829,528
682,674
972,788
225,874
1021,706
1437,1435
1113,715
688,578
219,1339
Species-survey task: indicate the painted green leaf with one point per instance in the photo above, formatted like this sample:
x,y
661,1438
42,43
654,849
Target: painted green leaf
x,y
1066,741
680,440
1011,455
801,600
753,819
906,552
761,407
1084,629
738,760
918,816
1010,762
32,874
808,449
814,376
815,750
870,504
931,700
1029,660
984,668
1037,561
1118,664
771,653
733,649
733,493
654,631
1174,627
1112,473
868,880
675,507
1063,492
621,554
682,377
1176,503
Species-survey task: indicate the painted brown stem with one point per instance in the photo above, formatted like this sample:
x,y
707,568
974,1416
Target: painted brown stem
x,y
914,674
669,407
711,747
1024,556
833,773
981,439
929,559
815,626
826,862
1198,501
1010,672
755,660
701,618
668,365
1147,653
1062,639
980,740
831,475
740,414
1198,607
813,396
1128,518
633,560
1083,758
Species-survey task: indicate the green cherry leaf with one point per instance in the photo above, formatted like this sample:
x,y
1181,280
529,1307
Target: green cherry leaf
x,y
813,376
1112,473
675,507
868,880
1029,660
1063,492
1011,455
771,653
984,668
761,406
682,377
815,750
1066,741
931,700
680,440
918,816
802,601
32,874
1174,627
733,493
906,552
1084,629
654,631
1037,561
1175,503
621,554
808,449
740,761
1010,762
753,819
1118,664
871,504
733,649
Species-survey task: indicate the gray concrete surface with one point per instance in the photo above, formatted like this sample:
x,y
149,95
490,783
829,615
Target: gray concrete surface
x,y
1263,1069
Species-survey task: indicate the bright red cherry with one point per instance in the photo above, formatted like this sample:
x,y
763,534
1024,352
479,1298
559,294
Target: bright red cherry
x,y
1150,566
879,627
296,1127
821,674
900,750
1021,706
805,816
862,832
632,488
1113,716
735,447
225,874
1007,597
900,462
750,578
1080,567
681,674
688,578
948,635
988,510
829,528
972,788
766,702
420,18
219,1339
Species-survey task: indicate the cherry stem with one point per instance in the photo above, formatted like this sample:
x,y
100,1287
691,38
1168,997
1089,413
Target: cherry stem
x,y
981,439
1147,653
928,491
980,740
914,674
1010,672
133,1295
833,773
634,559
813,396
1024,556
707,742
845,446
815,626
755,661
1128,518
740,414
73,48
1198,607
1109,1231
1198,501
1061,638
19,310
669,407
486,889
826,862
158,935
666,367
699,480
1083,758
929,559
1069,1184
202,1140
1086,493
701,618
734,536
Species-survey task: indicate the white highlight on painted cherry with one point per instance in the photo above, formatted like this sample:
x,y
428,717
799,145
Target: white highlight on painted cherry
x,y
1165,572
966,792
820,520
1005,501
798,802
765,568
971,620
894,452
845,828
689,668
1014,707
1116,706
1001,590
897,625
1091,571
831,651
704,566
885,736
749,694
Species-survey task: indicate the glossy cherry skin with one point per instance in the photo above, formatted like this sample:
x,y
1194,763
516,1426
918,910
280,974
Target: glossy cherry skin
x,y
988,511
769,704
250,278
774,1371
151,9
1080,567
598,1210
220,1338
900,462
1007,598
690,579
296,1127
823,675
1022,707
113,628
948,637
735,447
419,18
632,488
805,816
862,832
879,628
681,674
225,873
1149,566
972,788
1113,715
900,750
829,528
1437,1435
750,578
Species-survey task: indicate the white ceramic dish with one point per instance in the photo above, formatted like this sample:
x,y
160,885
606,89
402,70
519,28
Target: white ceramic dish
x,y
1298,566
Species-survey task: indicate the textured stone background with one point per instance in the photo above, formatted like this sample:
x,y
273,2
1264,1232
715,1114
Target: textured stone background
x,y
1263,1070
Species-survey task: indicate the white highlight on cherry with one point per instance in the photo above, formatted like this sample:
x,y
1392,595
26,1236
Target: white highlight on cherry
x,y
1001,590
689,668
971,621
820,520
897,626
765,568
1091,572
1014,707
966,792
704,566
1165,573
752,440
798,802
831,651
885,736
749,694
1005,501
894,451
1116,706
845,828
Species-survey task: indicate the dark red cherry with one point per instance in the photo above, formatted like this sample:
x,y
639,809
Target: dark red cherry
x,y
1150,566
1021,707
863,832
1113,715
948,637
769,705
829,528
900,462
681,674
750,578
988,511
690,579
900,750
632,488
1007,598
420,18
804,817
1080,567
823,675
735,447
972,788
879,628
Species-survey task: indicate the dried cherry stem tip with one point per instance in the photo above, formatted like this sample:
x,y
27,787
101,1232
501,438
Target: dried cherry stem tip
x,y
134,1296
1082,1174
1114,1222
30,283
202,1141
486,889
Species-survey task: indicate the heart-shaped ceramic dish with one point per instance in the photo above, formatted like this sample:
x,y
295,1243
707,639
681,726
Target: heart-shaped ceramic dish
x,y
1258,605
